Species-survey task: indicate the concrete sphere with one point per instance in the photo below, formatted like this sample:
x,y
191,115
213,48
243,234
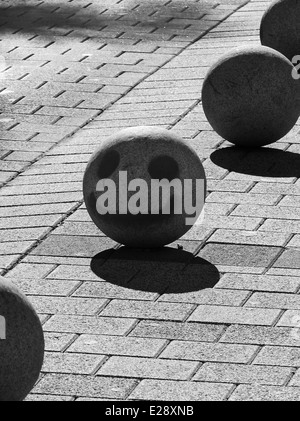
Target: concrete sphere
x,y
148,154
280,27
21,344
250,97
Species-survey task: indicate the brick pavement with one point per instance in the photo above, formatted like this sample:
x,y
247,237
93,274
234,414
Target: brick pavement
x,y
215,320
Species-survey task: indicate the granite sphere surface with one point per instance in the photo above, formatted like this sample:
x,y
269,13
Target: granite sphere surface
x,y
21,344
250,96
150,154
280,27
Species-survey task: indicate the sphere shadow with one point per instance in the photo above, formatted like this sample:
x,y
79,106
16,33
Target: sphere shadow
x,y
265,162
49,19
163,270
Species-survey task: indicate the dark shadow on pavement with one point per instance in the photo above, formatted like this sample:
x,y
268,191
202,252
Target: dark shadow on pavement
x,y
44,18
155,270
264,162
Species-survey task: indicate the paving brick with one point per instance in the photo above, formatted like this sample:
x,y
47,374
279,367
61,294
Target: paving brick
x,y
241,269
29,221
58,341
265,393
22,156
274,300
270,283
279,356
57,362
58,260
8,260
295,241
289,200
241,198
56,169
43,287
261,335
295,381
24,234
15,247
290,318
40,199
238,373
277,212
58,245
36,209
279,188
239,255
85,399
63,159
238,315
7,176
176,330
197,233
148,368
187,350
20,145
74,272
47,178
80,215
230,222
41,189
147,310
12,166
209,297
67,305
48,398
78,385
249,237
283,272
27,270
113,345
107,290
158,390
289,259
89,325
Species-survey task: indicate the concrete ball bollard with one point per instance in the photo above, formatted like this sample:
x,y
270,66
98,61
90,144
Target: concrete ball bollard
x,y
280,27
21,344
250,96
135,161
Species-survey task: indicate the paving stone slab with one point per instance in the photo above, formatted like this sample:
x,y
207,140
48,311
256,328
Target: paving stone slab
x,y
89,325
114,345
239,255
186,350
135,367
239,315
261,335
181,391
176,330
265,393
238,373
78,385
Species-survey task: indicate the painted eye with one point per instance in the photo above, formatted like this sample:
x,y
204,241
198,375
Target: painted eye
x,y
163,166
108,164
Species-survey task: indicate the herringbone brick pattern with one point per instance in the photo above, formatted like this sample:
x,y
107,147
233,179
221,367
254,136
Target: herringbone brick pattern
x,y
217,315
